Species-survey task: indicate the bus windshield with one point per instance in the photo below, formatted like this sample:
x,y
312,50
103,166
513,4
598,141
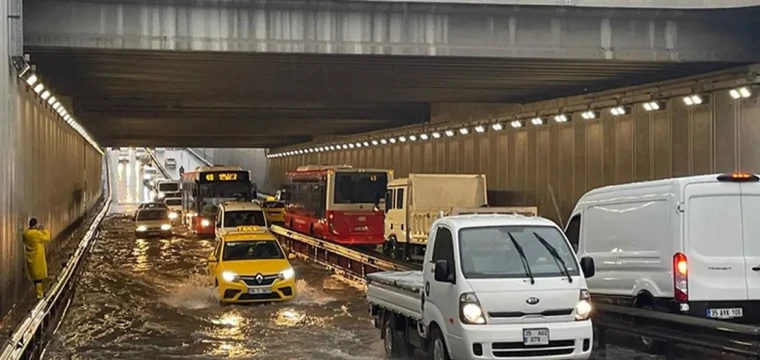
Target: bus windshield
x,y
359,187
228,190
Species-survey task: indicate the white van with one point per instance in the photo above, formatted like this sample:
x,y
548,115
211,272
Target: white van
x,y
687,245
239,216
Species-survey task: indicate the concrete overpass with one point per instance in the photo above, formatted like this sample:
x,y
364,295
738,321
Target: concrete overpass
x,y
220,73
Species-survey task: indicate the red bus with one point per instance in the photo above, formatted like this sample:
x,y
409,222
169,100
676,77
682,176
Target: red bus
x,y
337,203
208,186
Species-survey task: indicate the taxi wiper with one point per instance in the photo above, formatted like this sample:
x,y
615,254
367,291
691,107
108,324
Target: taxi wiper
x,y
557,259
523,258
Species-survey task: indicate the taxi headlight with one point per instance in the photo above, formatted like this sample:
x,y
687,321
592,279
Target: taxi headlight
x,y
166,227
142,228
173,215
583,307
286,274
230,276
205,222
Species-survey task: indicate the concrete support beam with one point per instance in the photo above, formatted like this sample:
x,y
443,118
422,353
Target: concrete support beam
x,y
344,27
571,158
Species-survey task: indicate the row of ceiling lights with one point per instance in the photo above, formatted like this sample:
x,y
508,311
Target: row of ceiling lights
x,y
31,79
738,93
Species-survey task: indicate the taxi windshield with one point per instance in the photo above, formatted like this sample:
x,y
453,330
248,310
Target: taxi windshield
x,y
149,215
244,218
252,250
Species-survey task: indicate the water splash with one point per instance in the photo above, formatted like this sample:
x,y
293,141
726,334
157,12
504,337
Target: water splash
x,y
308,295
197,292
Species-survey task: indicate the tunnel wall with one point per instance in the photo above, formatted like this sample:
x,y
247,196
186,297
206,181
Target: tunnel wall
x,y
571,158
251,159
49,172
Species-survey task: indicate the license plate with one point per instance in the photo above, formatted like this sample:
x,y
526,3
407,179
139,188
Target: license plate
x,y
259,291
535,337
725,313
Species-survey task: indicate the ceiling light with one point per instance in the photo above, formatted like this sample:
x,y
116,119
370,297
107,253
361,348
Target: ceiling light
x,y
402,138
617,111
392,140
588,115
423,136
692,100
332,147
537,121
67,117
345,146
449,133
383,141
366,143
516,124
56,105
351,145
374,142
412,138
480,128
358,144
464,131
38,88
31,80
46,94
436,135
561,118
497,127
742,92
52,100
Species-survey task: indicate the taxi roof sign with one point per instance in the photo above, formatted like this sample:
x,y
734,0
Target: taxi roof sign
x,y
248,228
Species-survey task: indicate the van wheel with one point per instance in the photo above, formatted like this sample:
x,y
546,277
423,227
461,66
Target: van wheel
x,y
438,349
393,341
647,344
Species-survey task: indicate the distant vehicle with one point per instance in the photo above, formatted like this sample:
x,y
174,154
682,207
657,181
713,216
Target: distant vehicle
x,y
170,163
175,207
164,187
239,215
251,266
337,203
685,245
274,211
123,159
414,202
151,222
149,173
152,205
491,287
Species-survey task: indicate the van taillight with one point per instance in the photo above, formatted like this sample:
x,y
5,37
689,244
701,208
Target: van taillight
x,y
680,277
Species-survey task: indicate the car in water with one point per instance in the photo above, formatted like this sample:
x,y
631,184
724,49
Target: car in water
x,y
274,211
153,205
251,266
175,207
152,222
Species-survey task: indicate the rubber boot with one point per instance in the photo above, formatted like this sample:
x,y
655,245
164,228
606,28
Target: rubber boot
x,y
40,292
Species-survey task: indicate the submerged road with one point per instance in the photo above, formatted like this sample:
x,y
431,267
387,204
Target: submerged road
x,y
153,299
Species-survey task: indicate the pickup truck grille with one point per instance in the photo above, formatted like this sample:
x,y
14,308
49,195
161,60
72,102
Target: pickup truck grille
x,y
518,349
518,314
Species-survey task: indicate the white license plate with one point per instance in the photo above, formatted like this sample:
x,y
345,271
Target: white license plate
x,y
725,313
536,337
259,291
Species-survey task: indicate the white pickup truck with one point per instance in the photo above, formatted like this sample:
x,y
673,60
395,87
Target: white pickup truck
x,y
491,287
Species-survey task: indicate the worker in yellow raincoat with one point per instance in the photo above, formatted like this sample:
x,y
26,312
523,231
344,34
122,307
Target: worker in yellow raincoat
x,y
35,238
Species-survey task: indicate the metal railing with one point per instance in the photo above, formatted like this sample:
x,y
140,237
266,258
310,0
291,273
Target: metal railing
x,y
28,340
199,157
160,166
674,330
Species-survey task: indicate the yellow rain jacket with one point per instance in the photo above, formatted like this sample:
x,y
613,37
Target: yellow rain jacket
x,y
34,243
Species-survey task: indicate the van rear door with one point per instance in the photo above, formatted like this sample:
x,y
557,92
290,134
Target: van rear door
x,y
751,227
713,242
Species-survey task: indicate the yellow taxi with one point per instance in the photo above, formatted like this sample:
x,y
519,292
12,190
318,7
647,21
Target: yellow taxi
x,y
249,265
274,211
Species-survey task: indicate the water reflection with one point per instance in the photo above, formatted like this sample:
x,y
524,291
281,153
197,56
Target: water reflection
x,y
140,252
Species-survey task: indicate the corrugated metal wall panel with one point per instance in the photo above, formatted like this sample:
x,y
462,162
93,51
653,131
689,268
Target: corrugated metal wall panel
x,y
573,158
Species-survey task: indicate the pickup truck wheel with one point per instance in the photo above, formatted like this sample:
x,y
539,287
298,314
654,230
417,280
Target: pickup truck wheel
x,y
395,345
438,349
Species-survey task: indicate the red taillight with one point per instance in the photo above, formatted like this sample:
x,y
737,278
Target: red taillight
x,y
680,277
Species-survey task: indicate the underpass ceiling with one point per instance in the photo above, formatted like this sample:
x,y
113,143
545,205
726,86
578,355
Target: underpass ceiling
x,y
226,99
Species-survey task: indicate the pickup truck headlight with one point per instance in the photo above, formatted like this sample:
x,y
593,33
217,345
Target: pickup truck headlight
x,y
470,311
166,227
142,228
230,276
286,274
583,308
173,215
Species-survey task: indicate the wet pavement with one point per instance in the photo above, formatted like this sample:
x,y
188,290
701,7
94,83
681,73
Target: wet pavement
x,y
153,299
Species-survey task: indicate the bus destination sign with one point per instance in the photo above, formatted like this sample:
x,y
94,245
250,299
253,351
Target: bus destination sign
x,y
224,176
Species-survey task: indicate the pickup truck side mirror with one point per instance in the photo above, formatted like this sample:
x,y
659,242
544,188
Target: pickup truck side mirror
x,y
587,265
442,273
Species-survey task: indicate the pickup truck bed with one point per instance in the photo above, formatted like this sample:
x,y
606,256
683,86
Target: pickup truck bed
x,y
398,291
